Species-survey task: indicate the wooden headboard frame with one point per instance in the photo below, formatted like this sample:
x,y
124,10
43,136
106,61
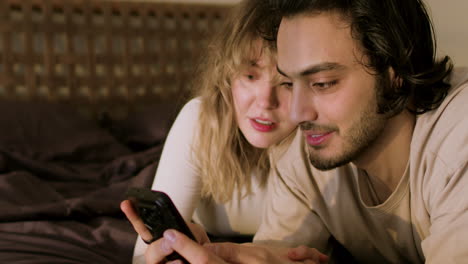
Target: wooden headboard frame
x,y
102,53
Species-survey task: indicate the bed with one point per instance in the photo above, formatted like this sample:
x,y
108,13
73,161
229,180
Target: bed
x,y
88,90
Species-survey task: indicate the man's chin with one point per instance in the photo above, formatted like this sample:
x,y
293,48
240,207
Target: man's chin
x,y
323,167
324,164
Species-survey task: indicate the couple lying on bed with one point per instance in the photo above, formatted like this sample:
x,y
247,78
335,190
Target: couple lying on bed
x,y
377,168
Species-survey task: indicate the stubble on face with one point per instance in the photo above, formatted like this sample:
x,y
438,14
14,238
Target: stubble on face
x,y
356,139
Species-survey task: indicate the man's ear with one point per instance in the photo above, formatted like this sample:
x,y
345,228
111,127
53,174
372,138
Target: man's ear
x,y
395,80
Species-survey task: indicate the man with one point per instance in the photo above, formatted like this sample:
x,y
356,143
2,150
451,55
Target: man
x,y
380,162
381,165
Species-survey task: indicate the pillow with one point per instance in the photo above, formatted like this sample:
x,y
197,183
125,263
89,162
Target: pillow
x,y
144,127
46,131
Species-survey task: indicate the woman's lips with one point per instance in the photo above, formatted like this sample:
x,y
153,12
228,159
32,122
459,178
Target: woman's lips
x,y
262,125
316,139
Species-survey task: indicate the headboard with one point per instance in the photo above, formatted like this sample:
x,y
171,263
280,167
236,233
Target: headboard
x,y
102,55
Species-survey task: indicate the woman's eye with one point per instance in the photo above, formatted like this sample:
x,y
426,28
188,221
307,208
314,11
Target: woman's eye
x,y
250,77
287,85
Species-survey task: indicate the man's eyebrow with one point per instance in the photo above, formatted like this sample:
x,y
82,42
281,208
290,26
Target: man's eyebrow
x,y
326,66
280,71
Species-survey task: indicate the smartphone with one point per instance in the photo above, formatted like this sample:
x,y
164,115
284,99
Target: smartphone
x,y
158,213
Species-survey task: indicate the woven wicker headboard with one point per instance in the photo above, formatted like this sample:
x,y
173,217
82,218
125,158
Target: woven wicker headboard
x,y
99,53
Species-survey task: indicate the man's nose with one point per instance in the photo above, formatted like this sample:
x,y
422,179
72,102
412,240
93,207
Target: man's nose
x,y
302,106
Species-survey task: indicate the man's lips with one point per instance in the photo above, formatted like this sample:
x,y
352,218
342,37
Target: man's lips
x,y
315,138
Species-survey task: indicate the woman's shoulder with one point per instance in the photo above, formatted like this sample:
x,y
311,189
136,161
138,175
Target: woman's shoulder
x,y
186,120
190,110
192,105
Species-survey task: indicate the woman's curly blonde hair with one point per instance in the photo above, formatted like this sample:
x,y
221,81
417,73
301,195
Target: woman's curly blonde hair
x,y
227,160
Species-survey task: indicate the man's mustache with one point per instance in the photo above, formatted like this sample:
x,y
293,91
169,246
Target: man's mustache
x,y
306,126
311,126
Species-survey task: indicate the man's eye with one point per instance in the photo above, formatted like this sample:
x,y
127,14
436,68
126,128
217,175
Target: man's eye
x,y
325,85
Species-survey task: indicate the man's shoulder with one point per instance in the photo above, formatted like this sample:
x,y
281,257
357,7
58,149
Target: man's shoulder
x,y
442,132
454,107
457,95
459,76
291,149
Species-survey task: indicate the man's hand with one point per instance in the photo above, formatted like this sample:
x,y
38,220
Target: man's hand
x,y
252,253
216,253
126,207
306,253
223,253
186,247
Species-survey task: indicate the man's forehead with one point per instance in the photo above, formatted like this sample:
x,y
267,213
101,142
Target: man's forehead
x,y
315,43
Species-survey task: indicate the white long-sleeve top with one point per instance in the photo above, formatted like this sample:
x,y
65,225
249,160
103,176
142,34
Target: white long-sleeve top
x,y
179,176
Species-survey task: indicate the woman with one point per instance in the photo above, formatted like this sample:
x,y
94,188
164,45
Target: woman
x,y
215,161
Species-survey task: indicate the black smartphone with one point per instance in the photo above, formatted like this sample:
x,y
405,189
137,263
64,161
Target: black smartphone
x,y
158,213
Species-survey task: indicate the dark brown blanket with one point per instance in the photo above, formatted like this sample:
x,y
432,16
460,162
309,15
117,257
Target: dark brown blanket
x,y
61,183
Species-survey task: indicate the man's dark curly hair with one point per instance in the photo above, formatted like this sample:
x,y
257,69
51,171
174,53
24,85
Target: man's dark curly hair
x,y
393,33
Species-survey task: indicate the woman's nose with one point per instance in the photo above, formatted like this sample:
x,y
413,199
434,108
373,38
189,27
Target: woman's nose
x,y
267,96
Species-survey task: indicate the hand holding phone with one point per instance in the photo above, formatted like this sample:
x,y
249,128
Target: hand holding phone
x,y
158,213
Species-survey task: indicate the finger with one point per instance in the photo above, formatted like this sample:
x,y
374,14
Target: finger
x,y
199,233
230,252
309,261
249,253
157,251
127,207
189,249
303,253
177,261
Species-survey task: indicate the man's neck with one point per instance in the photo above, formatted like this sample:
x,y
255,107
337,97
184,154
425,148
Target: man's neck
x,y
385,162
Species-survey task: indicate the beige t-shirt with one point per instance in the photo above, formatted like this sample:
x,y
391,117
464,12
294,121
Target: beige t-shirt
x,y
424,220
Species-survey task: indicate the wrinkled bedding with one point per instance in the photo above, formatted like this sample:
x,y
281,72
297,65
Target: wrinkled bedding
x,y
61,182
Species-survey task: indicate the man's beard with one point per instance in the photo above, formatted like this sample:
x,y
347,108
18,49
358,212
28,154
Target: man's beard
x,y
356,140
360,136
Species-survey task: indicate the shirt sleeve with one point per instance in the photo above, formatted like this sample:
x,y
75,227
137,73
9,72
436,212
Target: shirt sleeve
x,y
178,174
448,238
445,187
